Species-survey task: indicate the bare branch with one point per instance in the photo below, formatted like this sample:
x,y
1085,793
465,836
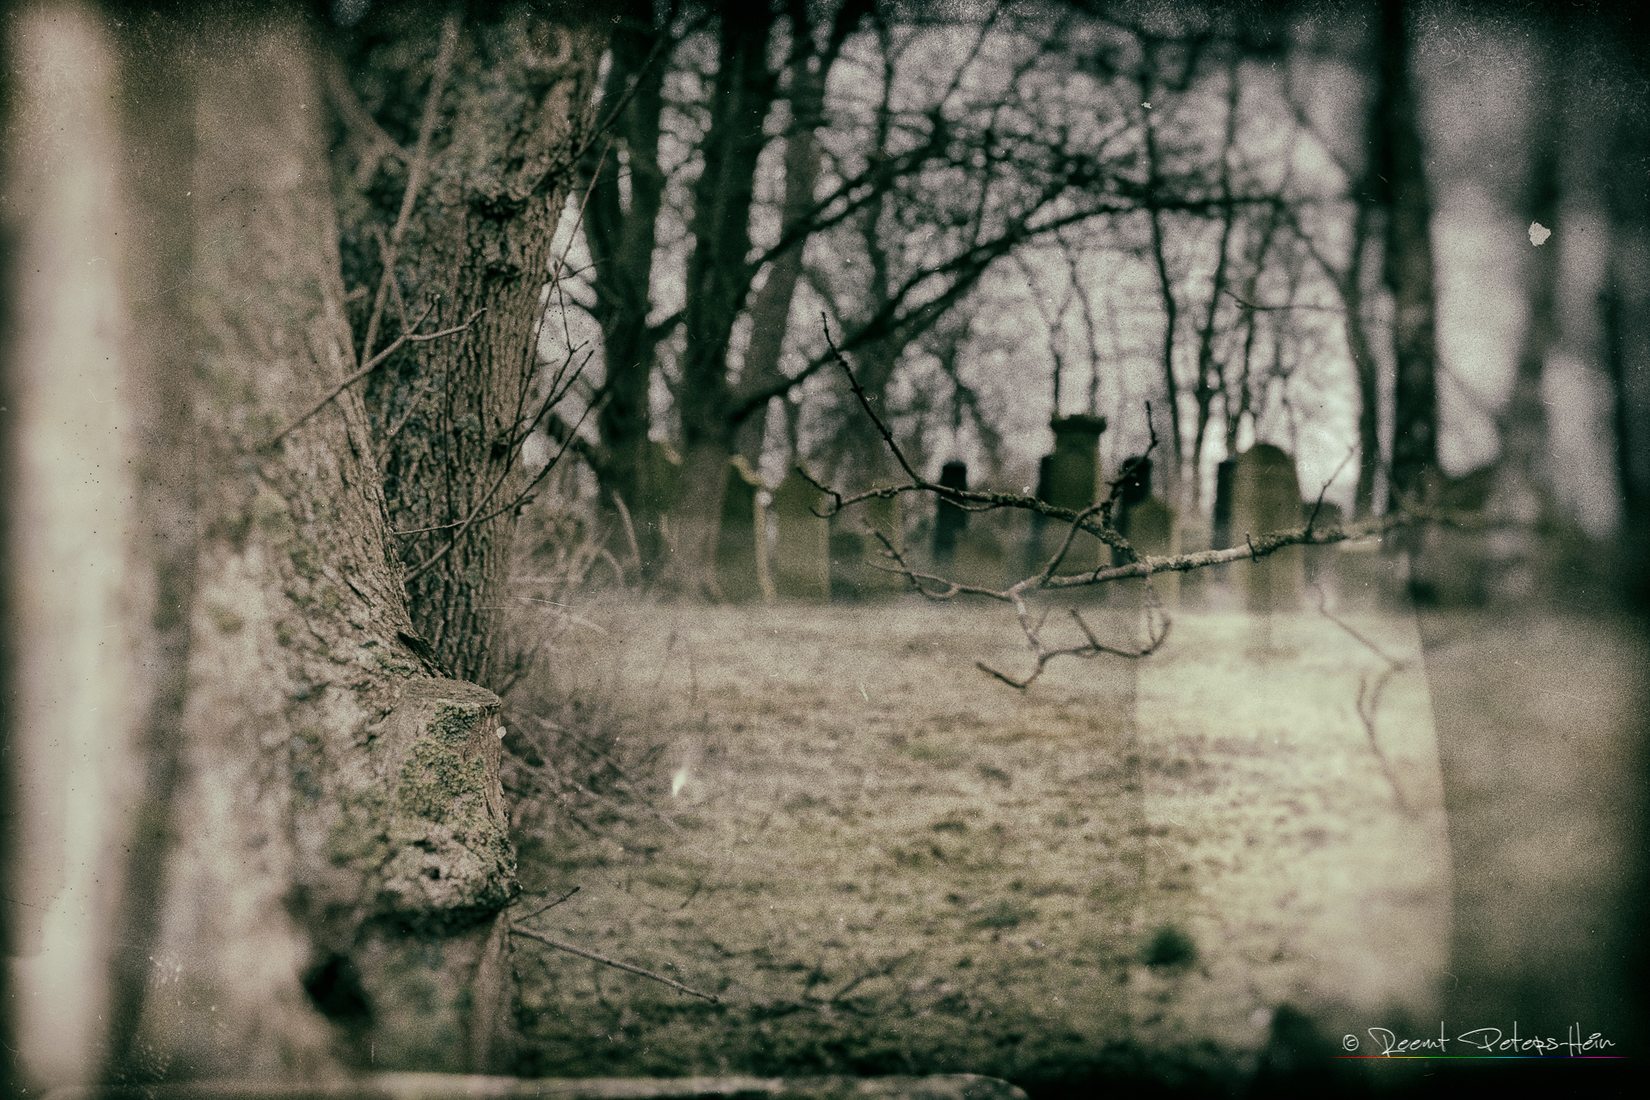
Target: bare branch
x,y
583,953
549,905
372,364
417,168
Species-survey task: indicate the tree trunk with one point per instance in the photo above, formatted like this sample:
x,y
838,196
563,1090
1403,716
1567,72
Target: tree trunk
x,y
810,70
338,804
330,860
622,237
449,415
1624,307
1520,571
718,279
77,594
1366,368
1524,428
1404,193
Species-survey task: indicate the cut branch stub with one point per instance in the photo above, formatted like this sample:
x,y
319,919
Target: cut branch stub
x,y
425,837
444,826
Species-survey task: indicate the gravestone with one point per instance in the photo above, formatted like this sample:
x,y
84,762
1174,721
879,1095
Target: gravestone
x,y
1149,525
1451,566
1136,476
1068,477
950,521
737,564
1220,530
1265,497
801,560
982,551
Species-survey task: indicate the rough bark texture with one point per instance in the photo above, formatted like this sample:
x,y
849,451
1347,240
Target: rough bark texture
x,y
305,775
320,831
449,415
1404,193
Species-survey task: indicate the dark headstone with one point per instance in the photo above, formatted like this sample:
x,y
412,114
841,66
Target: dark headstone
x,y
1265,497
1069,477
1451,566
950,521
1136,475
1220,534
1073,470
1149,526
858,565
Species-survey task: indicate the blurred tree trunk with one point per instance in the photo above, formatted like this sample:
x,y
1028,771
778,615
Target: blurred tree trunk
x,y
304,816
809,71
718,281
1524,427
1366,367
1522,492
158,138
1624,306
622,236
489,111
10,780
1403,192
74,684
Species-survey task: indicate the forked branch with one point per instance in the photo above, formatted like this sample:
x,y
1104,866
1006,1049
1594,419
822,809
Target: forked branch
x,y
1096,520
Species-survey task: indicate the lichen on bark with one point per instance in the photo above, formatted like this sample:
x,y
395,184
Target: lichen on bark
x,y
449,857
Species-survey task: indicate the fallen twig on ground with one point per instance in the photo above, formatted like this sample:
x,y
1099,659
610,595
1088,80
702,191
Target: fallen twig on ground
x,y
629,968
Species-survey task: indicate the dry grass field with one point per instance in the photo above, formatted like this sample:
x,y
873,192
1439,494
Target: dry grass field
x,y
880,860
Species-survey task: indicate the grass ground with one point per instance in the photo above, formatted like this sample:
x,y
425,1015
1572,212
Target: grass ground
x,y
882,861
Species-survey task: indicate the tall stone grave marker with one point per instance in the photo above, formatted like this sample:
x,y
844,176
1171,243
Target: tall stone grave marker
x,y
950,521
1266,497
1068,477
1149,526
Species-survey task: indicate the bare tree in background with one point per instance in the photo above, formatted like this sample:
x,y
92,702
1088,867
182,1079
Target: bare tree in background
x,y
621,223
1401,190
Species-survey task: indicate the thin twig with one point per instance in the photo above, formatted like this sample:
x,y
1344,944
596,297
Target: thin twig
x,y
571,949
549,905
1317,505
417,169
373,364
